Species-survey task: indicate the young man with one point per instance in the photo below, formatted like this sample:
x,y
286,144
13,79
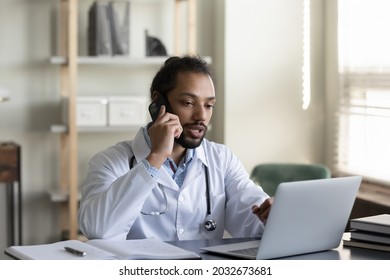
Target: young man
x,y
170,183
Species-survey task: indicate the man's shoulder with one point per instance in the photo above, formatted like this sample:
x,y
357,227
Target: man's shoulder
x,y
219,154
120,149
124,147
214,147
210,142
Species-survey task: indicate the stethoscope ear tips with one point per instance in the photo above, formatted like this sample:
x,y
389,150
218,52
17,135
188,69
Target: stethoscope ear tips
x,y
210,224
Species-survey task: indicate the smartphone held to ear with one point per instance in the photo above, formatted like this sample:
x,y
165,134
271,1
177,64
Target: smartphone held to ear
x,y
155,106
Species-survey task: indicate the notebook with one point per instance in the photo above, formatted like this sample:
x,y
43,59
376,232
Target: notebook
x,y
306,217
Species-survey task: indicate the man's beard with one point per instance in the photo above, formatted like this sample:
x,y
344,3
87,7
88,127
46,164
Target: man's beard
x,y
189,143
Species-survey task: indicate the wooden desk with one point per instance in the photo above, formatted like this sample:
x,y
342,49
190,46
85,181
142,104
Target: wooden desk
x,y
10,174
339,253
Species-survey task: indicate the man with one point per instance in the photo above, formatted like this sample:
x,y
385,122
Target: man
x,y
170,183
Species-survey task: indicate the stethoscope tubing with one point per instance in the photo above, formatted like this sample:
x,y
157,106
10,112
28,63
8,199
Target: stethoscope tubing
x,y
208,221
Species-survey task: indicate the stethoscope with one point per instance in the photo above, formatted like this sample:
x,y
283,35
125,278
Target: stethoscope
x,y
209,223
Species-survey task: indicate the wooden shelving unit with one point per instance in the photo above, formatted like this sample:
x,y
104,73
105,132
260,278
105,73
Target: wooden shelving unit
x,y
68,90
95,60
68,60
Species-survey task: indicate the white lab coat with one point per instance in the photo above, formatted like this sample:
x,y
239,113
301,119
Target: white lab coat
x,y
114,196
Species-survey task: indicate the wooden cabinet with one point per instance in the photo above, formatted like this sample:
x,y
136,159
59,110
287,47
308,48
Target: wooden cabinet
x,y
69,60
10,173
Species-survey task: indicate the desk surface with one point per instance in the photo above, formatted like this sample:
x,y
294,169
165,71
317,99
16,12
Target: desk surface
x,y
339,253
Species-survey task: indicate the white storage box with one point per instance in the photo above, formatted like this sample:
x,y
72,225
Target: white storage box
x,y
127,110
91,111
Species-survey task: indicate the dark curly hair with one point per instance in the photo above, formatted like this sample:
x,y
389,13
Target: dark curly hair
x,y
165,79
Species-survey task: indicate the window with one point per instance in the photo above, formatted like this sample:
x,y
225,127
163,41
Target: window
x,y
306,93
363,138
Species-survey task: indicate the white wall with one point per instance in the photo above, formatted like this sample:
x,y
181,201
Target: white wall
x,y
264,119
259,106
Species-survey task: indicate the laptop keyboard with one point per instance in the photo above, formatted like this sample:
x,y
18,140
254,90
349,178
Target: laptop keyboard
x,y
247,252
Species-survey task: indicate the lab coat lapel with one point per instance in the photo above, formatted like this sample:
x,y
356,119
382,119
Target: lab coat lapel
x,y
166,180
195,171
195,174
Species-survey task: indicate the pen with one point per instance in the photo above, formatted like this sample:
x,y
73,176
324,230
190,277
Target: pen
x,y
75,251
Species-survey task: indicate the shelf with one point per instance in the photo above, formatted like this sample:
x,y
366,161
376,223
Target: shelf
x,y
108,128
115,60
104,60
61,195
375,194
61,128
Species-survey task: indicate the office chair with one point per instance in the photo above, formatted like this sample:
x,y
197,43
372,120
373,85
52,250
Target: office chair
x,y
270,175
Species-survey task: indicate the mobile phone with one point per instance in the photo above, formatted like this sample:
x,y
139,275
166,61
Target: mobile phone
x,y
154,107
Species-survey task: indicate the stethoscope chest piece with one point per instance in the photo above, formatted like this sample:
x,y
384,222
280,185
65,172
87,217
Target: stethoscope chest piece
x,y
210,224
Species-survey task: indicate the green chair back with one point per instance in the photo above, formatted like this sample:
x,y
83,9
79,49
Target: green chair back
x,y
270,175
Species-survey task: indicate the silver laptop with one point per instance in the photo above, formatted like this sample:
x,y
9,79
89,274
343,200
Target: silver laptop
x,y
306,217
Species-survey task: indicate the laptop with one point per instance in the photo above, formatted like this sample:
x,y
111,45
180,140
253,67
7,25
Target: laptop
x,y
306,217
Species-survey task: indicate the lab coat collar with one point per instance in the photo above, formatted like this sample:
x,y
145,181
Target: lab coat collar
x,y
200,153
141,149
140,146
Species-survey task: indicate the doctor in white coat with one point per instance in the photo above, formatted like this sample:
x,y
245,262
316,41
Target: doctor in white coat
x,y
169,182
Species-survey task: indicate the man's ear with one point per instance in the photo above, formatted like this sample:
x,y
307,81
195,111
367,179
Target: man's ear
x,y
155,95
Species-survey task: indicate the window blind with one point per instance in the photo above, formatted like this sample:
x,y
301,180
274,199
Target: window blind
x,y
363,128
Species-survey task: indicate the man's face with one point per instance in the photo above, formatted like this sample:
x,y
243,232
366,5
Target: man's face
x,y
192,101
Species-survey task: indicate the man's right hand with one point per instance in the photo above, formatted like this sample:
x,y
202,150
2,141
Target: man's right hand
x,y
262,210
162,133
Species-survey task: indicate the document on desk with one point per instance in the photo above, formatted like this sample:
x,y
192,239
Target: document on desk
x,y
141,249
